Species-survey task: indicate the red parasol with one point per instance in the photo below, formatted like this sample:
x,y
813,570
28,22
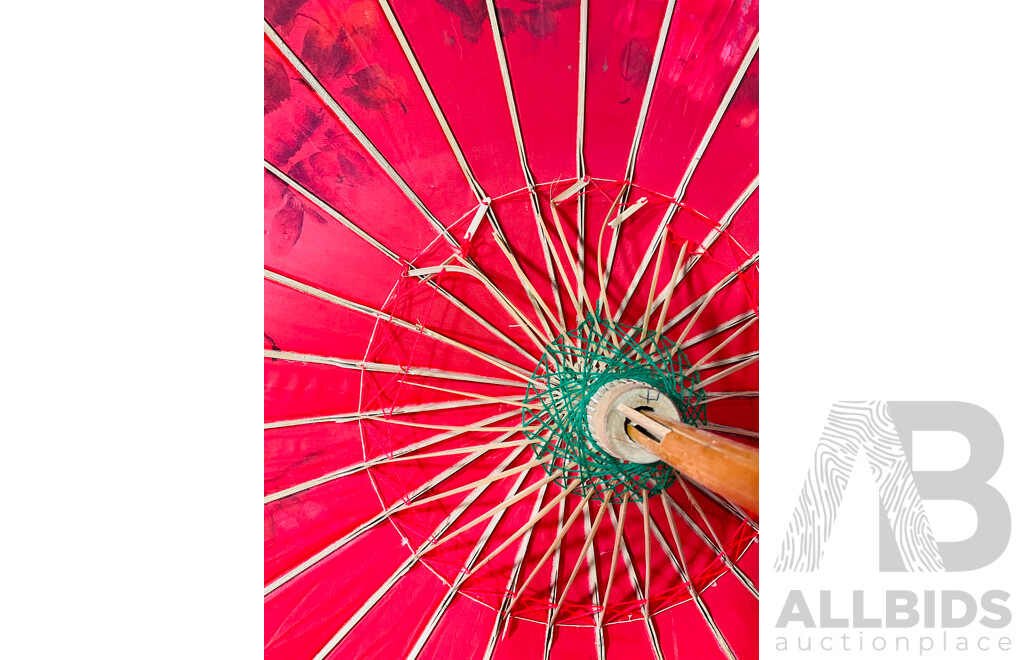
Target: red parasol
x,y
485,224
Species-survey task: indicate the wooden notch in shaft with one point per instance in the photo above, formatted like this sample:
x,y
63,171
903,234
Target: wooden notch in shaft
x,y
724,466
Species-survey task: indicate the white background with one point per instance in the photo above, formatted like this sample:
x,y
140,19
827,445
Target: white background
x,y
131,461
131,307
891,239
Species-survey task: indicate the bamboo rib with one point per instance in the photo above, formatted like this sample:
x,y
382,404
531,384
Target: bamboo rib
x,y
555,321
341,542
554,544
718,329
402,570
731,370
627,559
654,282
560,267
506,79
578,270
474,395
731,507
549,625
503,611
647,556
700,512
358,231
529,525
691,168
669,291
356,132
715,350
734,430
709,239
377,460
462,450
379,367
482,482
593,586
581,170
586,548
453,143
570,191
453,591
641,122
505,504
700,310
726,281
628,212
514,312
715,548
601,274
393,320
380,413
620,523
730,360
744,394
723,643
445,427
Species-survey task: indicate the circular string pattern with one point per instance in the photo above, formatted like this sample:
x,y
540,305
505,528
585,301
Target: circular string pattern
x,y
575,366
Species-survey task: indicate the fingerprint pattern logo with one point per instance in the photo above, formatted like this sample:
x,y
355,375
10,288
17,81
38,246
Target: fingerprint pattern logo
x,y
853,426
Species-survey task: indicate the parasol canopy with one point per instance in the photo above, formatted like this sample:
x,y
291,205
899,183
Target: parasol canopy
x,y
484,220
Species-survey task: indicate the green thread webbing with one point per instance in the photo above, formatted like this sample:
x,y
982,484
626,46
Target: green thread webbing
x,y
573,367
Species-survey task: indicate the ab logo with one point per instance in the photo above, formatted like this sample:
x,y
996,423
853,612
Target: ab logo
x,y
882,431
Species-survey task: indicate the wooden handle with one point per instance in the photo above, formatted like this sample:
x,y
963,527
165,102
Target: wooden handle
x,y
721,465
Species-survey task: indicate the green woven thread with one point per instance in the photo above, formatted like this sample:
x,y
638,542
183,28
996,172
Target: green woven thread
x,y
574,366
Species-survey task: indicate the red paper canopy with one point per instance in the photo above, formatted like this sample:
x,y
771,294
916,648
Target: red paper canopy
x,y
452,189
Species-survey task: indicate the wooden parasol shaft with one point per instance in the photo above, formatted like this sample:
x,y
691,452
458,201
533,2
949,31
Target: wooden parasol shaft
x,y
723,466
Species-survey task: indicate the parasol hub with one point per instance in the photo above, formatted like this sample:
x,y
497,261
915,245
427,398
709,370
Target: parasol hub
x,y
608,424
571,407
